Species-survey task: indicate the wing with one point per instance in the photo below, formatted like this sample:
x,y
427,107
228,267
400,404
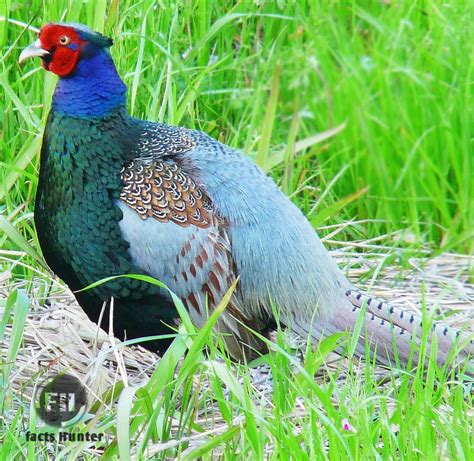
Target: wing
x,y
282,263
177,236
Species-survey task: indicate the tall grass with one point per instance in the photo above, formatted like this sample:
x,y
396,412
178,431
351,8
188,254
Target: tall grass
x,y
358,109
262,75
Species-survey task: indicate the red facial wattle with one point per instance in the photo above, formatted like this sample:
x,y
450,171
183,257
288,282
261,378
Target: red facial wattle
x,y
63,57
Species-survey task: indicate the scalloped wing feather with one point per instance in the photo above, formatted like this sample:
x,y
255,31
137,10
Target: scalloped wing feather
x,y
176,236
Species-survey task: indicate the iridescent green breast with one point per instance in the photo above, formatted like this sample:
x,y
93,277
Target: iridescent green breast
x,y
75,215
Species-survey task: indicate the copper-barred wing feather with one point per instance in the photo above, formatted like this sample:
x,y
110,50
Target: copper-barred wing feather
x,y
161,190
177,236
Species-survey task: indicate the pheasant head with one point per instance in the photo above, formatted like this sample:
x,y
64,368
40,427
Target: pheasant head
x,y
61,46
89,84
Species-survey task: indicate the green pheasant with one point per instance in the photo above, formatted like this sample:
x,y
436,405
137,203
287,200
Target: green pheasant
x,y
118,195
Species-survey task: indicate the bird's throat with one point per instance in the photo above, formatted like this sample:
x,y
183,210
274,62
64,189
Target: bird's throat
x,y
93,90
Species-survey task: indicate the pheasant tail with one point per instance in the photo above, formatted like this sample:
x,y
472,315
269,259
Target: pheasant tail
x,y
395,333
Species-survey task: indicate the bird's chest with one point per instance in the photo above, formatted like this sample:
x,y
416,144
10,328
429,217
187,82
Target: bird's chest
x,y
71,198
75,215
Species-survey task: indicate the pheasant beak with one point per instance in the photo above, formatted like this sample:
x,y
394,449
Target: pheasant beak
x,y
32,51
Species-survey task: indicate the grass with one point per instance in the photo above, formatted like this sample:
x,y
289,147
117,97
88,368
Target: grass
x,y
352,414
359,110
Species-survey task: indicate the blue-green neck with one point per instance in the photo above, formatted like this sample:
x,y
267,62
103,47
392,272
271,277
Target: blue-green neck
x,y
93,90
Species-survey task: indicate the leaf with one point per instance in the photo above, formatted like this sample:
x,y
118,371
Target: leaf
x,y
99,15
19,303
333,209
28,116
124,408
206,447
216,27
112,15
288,173
224,374
269,120
278,157
315,359
10,231
17,169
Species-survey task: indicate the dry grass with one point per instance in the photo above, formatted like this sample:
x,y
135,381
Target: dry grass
x,y
59,337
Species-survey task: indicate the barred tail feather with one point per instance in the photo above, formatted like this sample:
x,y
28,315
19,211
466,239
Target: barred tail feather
x,y
386,324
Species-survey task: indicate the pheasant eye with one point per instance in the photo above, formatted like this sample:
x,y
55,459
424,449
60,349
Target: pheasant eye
x,y
64,40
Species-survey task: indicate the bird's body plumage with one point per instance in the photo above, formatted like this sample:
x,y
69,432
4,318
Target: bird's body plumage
x,y
118,195
90,225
